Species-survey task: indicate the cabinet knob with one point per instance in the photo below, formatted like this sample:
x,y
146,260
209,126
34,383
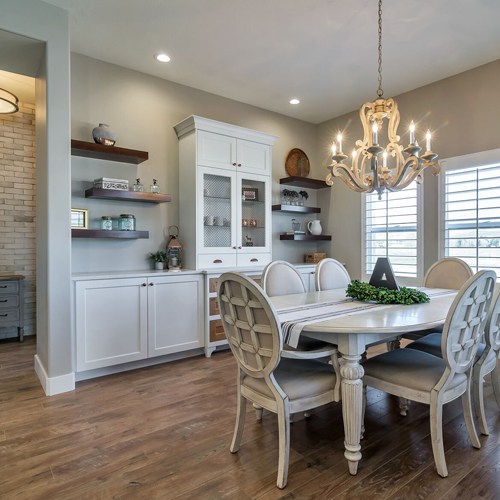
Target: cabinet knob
x,y
144,284
234,164
151,284
239,248
239,164
234,248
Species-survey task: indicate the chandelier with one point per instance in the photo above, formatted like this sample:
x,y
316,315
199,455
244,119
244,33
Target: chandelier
x,y
399,166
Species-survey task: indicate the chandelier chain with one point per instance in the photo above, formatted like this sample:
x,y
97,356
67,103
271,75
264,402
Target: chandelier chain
x,y
380,92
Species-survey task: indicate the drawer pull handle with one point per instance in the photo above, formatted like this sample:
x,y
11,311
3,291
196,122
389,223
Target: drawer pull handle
x,y
254,260
5,300
3,286
217,261
3,315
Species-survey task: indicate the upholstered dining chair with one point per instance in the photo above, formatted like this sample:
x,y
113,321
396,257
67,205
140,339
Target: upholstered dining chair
x,y
450,273
331,274
486,360
420,376
280,385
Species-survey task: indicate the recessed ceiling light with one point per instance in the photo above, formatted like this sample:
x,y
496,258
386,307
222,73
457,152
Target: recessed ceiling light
x,y
162,57
294,101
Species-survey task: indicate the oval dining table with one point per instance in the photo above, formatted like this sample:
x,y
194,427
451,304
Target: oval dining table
x,y
353,325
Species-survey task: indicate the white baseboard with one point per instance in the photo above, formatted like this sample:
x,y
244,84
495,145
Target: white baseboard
x,y
54,385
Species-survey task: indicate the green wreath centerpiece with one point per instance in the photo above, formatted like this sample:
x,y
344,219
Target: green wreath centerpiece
x,y
366,292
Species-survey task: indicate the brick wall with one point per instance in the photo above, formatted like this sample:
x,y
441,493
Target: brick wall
x,y
17,205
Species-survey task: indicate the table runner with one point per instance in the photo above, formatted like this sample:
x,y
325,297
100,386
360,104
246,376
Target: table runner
x,y
294,319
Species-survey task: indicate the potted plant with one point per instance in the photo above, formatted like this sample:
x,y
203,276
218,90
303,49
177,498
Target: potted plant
x,y
159,258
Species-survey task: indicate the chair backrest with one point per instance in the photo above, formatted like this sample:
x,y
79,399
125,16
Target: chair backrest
x,y
449,273
251,325
492,329
331,274
281,278
466,321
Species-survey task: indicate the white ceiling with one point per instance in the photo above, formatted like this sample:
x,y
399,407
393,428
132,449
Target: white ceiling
x,y
266,52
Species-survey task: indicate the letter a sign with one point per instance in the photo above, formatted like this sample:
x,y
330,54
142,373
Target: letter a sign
x,y
383,275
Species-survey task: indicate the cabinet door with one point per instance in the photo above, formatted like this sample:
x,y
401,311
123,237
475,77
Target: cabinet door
x,y
253,157
175,314
111,322
254,213
216,150
217,211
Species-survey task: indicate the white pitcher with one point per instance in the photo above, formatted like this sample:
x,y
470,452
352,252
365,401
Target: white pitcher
x,y
314,227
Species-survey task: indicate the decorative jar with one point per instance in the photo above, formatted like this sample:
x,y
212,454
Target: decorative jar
x,y
126,222
104,135
138,187
154,188
106,223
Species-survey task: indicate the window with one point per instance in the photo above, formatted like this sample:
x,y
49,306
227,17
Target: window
x,y
392,230
471,208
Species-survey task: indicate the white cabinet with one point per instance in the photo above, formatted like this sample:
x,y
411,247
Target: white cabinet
x,y
308,276
227,171
111,322
128,319
175,314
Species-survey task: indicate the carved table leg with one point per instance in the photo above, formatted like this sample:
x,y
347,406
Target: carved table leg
x,y
352,408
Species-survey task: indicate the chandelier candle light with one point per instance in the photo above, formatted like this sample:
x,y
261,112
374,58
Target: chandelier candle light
x,y
367,174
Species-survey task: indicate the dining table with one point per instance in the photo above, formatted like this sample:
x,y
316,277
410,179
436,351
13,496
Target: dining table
x,y
352,325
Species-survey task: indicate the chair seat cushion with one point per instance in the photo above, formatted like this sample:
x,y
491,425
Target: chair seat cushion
x,y
410,368
307,344
432,345
299,378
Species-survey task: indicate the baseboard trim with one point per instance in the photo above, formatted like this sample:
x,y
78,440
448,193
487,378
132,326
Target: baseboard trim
x,y
54,385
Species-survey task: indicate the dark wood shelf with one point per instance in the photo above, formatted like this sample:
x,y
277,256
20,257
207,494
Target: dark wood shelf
x,y
100,233
304,182
305,237
115,194
109,153
294,209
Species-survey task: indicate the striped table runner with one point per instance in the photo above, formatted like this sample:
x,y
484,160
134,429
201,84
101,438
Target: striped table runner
x,y
295,319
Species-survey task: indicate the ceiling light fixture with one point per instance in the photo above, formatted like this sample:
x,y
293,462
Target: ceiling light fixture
x,y
294,101
366,173
162,57
8,102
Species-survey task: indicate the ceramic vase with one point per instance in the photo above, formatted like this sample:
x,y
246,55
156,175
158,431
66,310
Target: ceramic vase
x,y
104,135
159,266
314,227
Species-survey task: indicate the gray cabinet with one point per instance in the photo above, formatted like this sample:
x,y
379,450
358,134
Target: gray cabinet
x,y
12,303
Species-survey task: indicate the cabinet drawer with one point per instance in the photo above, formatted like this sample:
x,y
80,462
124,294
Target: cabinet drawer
x,y
9,316
212,261
9,287
253,259
9,301
214,306
216,331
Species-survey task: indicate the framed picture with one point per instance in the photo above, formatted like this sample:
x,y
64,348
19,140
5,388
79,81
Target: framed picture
x,y
250,194
79,218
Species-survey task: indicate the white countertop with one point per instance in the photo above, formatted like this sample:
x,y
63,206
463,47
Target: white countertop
x,y
102,275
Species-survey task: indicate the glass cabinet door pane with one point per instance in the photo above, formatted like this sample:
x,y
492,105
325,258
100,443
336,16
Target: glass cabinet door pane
x,y
216,211
253,213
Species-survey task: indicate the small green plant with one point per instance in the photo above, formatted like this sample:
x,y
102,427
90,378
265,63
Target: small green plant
x,y
160,256
366,292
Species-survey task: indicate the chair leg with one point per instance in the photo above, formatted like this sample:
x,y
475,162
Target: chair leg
x,y
307,414
284,442
393,345
436,418
496,384
363,410
403,406
478,396
469,419
240,422
258,411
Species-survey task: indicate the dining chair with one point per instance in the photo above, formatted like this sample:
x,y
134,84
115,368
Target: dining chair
x,y
331,274
450,273
486,360
282,386
420,376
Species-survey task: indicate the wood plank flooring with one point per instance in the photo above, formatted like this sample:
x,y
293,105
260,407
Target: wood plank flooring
x,y
164,432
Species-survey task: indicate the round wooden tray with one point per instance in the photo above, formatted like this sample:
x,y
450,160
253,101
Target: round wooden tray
x,y
292,166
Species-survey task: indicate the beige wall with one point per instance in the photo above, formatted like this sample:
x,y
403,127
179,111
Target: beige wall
x,y
142,110
469,105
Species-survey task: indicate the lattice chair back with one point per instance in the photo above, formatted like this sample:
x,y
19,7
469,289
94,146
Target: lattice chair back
x,y
331,274
492,330
466,321
281,278
251,324
449,273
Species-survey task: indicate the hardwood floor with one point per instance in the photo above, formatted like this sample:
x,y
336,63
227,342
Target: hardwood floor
x,y
164,433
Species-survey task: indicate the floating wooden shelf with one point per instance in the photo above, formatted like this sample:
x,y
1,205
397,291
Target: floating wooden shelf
x,y
304,182
305,237
109,153
99,233
294,209
115,194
